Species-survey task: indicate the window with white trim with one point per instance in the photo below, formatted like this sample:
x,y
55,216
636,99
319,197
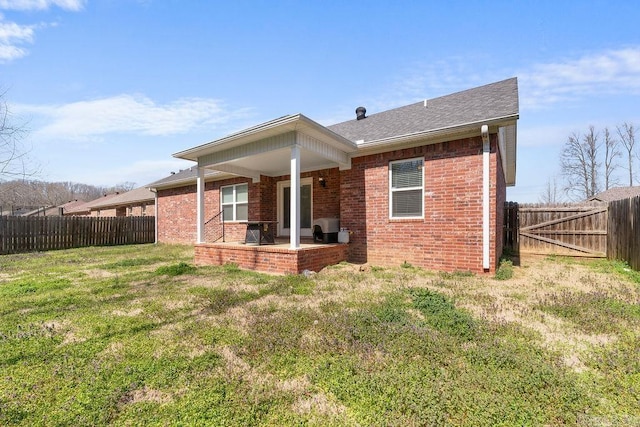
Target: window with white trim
x,y
406,189
234,202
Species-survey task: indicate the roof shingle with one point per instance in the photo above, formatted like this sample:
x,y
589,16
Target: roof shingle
x,y
482,103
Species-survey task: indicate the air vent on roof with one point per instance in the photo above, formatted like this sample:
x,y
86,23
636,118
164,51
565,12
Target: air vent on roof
x,y
360,113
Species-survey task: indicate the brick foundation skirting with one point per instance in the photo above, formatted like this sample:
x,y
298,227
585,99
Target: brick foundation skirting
x,y
271,259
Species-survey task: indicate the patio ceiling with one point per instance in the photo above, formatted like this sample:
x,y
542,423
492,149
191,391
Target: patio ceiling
x,y
266,149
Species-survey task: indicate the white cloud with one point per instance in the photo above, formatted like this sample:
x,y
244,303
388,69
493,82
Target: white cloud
x,y
14,36
128,114
611,72
73,5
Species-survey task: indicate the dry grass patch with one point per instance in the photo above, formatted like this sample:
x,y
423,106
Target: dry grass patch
x,y
167,343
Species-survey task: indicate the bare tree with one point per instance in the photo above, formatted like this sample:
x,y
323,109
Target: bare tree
x,y
551,194
611,153
628,139
579,164
13,157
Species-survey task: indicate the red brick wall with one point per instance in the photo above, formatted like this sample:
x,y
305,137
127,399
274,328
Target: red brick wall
x,y
177,206
449,237
326,200
104,212
176,215
271,259
176,211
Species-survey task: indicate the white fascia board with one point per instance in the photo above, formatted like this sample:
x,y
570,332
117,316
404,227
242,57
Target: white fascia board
x,y
473,127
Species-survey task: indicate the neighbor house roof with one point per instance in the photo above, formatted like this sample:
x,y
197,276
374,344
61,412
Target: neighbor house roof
x,y
135,196
617,193
85,207
55,210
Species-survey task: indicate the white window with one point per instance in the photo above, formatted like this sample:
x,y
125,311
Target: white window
x,y
406,189
234,202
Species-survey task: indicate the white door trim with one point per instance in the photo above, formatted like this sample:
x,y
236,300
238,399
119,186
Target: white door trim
x,y
281,185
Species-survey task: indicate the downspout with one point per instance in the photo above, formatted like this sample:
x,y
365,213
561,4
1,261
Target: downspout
x,y
486,150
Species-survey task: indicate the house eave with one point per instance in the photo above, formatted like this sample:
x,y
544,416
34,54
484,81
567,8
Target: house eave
x,y
217,176
433,136
295,123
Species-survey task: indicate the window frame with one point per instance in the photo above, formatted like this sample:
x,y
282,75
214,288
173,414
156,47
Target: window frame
x,y
235,203
393,190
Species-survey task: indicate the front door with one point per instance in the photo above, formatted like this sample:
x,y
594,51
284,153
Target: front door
x,y
306,207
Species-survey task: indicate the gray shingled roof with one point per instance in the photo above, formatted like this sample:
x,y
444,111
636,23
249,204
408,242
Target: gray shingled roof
x,y
85,207
473,106
135,196
186,176
617,193
495,100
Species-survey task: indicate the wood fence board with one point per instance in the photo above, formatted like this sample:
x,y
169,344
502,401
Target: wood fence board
x,y
28,234
576,230
564,230
624,226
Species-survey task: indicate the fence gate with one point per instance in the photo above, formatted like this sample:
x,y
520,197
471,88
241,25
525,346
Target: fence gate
x,y
579,230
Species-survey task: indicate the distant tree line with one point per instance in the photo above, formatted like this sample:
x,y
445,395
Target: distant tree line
x,y
18,187
22,193
590,163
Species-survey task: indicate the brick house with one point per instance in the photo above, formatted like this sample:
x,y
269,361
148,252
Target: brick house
x,y
137,202
423,184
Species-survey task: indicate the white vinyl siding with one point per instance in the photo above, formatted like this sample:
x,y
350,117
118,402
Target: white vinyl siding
x,y
406,189
234,202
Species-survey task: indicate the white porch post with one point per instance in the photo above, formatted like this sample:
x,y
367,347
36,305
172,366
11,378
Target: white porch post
x,y
294,237
486,213
200,206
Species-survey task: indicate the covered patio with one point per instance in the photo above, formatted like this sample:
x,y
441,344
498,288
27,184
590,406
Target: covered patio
x,y
286,164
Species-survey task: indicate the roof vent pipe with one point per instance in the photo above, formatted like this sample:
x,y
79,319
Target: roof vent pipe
x,y
360,113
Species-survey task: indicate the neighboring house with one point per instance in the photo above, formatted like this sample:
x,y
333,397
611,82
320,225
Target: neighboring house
x,y
137,202
423,184
617,193
16,210
56,210
85,209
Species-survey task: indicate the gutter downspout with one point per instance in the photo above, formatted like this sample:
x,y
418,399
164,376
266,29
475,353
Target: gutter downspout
x,y
486,150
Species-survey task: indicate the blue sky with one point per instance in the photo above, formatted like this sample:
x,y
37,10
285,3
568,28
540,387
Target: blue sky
x,y
109,89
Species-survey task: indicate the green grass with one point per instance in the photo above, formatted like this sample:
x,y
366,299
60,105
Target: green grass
x,y
138,335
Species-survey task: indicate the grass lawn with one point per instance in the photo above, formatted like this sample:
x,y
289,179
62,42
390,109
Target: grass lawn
x,y
135,335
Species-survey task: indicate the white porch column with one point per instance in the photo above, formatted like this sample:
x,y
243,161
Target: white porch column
x,y
486,213
200,206
294,237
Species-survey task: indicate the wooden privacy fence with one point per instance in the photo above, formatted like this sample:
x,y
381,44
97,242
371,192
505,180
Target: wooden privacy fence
x,y
611,230
624,231
29,234
575,230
